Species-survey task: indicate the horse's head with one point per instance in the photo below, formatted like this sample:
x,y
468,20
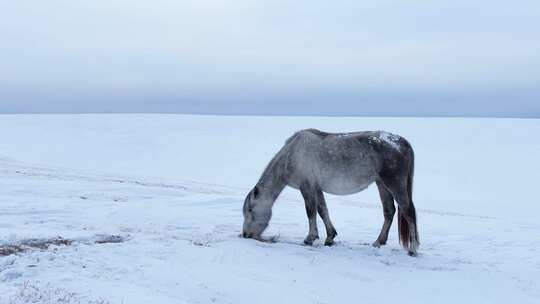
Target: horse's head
x,y
257,213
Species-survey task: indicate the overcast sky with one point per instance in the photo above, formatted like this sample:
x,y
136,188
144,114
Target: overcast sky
x,y
378,57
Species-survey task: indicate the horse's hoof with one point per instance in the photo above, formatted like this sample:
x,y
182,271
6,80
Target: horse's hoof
x,y
332,235
309,240
412,253
378,244
328,242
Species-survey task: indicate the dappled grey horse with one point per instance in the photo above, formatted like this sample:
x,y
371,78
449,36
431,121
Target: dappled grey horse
x,y
338,163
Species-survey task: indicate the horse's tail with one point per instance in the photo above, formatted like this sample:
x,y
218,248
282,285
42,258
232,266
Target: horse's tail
x,y
403,225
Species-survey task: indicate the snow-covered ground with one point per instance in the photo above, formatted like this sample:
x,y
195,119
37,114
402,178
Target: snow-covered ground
x,y
173,187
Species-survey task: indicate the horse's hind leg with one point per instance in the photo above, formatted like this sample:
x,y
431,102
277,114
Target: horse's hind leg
x,y
310,197
389,210
331,232
406,215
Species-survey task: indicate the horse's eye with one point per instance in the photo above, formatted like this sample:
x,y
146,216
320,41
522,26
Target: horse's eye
x,y
250,209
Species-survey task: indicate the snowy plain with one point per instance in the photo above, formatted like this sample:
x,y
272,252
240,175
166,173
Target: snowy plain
x,y
173,186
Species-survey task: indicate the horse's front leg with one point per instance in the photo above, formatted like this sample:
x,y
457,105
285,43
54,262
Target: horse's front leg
x,y
310,198
331,232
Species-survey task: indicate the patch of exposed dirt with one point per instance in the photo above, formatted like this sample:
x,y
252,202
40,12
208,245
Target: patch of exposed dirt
x,y
44,244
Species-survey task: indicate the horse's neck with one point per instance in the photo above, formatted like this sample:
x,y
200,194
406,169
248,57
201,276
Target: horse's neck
x,y
272,189
272,180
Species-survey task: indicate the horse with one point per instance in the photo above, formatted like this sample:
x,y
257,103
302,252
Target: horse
x,y
317,162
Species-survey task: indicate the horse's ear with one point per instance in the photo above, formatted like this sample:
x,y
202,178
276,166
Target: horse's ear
x,y
255,192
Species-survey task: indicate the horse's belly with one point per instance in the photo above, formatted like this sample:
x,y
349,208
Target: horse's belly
x,y
348,177
345,186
